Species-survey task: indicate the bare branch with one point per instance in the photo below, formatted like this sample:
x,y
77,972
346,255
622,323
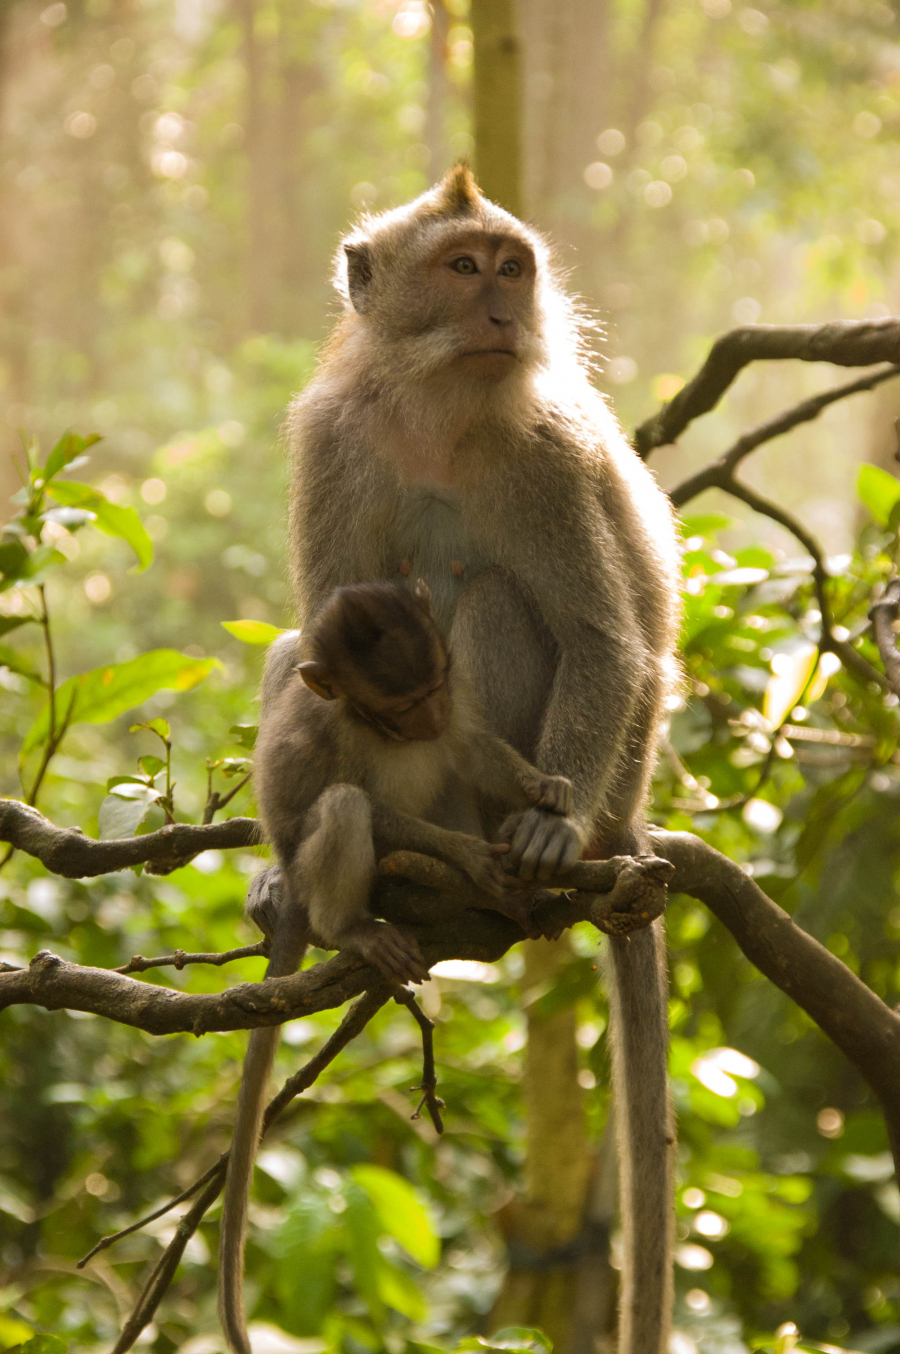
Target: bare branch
x,y
181,958
428,1086
846,343
863,1027
68,852
711,475
884,615
354,1023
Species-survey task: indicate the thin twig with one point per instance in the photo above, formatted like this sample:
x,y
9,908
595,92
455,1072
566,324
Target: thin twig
x,y
430,1099
883,614
215,801
353,1024
180,958
105,1242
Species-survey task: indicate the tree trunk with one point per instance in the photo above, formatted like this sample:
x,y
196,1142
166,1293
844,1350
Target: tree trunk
x,y
498,102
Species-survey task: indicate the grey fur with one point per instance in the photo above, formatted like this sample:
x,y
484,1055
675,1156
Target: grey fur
x,y
566,615
333,793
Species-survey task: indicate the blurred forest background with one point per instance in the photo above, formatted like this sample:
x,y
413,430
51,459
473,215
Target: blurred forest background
x,y
174,175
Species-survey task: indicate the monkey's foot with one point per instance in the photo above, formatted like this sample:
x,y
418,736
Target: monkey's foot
x,y
390,948
637,898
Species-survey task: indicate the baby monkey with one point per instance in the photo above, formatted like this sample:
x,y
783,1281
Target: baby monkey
x,y
372,742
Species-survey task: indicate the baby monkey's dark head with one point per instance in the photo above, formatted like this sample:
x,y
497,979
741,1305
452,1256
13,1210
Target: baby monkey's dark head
x,y
376,647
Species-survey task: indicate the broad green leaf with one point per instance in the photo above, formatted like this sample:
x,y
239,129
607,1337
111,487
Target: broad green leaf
x,y
233,766
103,694
151,766
114,520
400,1212
121,815
12,659
785,687
69,446
398,1290
12,1331
13,561
879,490
252,632
41,1344
42,562
245,735
8,623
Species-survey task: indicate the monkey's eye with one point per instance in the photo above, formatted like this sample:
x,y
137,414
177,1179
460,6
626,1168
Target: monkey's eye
x,y
465,265
510,268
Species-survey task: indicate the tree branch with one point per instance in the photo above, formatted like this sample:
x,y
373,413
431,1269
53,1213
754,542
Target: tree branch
x,y
846,343
711,475
354,1023
883,614
68,852
863,1027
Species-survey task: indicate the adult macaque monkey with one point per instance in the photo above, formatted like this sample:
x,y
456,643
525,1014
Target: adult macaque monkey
x,y
355,753
452,433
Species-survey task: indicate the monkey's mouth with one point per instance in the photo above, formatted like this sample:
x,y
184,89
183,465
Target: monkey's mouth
x,y
489,352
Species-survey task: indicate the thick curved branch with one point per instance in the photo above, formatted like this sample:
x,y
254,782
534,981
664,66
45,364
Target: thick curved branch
x,y
846,343
711,475
884,614
863,1027
451,922
68,852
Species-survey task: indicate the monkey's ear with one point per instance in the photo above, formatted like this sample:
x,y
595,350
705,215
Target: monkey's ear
x,y
423,596
319,679
359,274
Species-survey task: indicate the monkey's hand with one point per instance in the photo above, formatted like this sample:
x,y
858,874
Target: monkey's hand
x,y
478,859
542,844
554,793
393,951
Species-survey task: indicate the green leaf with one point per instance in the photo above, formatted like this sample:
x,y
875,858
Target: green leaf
x,y
41,1344
8,623
400,1212
13,561
233,766
42,562
121,815
245,735
252,632
70,518
10,658
103,694
879,490
151,766
704,524
157,726
67,448
399,1290
521,1339
114,520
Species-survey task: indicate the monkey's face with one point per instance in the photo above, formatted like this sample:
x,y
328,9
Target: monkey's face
x,y
480,288
421,715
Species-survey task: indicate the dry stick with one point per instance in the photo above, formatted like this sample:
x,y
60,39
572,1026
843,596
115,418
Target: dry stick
x,y
106,1241
845,343
180,958
430,1099
883,614
353,1024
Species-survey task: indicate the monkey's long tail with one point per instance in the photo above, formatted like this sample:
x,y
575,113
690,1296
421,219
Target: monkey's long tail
x,y
645,1125
248,1120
